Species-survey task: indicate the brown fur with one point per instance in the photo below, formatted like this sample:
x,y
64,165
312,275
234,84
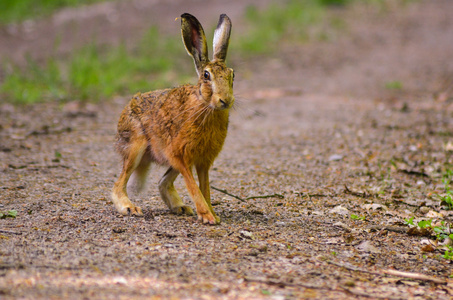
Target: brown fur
x,y
181,128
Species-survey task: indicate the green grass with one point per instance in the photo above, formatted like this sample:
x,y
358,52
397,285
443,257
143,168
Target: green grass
x,y
356,217
447,197
440,231
8,214
270,27
92,73
20,10
394,85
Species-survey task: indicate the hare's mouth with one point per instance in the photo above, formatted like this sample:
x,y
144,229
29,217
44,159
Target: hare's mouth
x,y
221,105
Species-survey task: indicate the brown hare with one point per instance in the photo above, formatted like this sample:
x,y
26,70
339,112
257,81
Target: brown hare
x,y
181,128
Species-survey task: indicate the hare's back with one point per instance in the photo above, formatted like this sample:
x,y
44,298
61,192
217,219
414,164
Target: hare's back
x,y
169,100
139,105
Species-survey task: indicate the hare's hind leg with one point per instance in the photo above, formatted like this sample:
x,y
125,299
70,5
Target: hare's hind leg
x,y
170,195
138,178
131,160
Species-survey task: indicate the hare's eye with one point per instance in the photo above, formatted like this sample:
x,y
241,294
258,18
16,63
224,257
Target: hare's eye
x,y
206,75
233,75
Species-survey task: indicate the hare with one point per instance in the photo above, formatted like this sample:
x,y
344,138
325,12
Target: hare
x,y
181,128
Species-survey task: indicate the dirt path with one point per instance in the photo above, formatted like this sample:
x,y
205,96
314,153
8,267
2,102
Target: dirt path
x,y
315,125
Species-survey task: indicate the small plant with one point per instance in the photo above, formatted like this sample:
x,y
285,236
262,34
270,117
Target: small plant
x,y
409,221
448,253
334,2
265,292
394,85
58,157
425,224
356,217
447,198
442,233
9,214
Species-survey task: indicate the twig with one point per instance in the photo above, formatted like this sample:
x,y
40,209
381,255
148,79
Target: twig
x,y
357,194
315,287
416,276
366,295
312,195
11,266
98,245
55,267
248,198
226,193
412,172
399,229
20,266
285,283
10,232
405,203
266,196
351,267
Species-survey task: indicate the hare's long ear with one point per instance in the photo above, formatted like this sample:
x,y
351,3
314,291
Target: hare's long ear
x,y
222,37
195,40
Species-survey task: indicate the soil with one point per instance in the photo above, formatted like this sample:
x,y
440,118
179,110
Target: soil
x,y
315,132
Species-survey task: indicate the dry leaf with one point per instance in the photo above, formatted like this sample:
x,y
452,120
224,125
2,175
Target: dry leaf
x,y
428,248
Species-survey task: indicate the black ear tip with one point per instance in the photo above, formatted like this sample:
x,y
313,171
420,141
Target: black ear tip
x,y
186,15
224,16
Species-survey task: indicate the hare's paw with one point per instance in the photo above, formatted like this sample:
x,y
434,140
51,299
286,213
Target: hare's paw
x,y
135,211
208,218
131,210
125,207
182,210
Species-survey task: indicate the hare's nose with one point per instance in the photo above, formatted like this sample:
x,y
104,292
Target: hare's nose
x,y
224,104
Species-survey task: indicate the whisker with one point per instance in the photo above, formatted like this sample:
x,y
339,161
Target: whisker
x,y
243,108
209,112
196,114
186,110
202,112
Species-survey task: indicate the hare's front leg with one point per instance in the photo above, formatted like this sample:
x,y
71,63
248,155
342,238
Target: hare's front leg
x,y
170,195
131,160
203,178
203,211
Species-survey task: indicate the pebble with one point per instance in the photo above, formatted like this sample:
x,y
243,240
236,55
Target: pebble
x,y
342,226
339,210
434,215
366,246
424,210
375,206
335,157
247,234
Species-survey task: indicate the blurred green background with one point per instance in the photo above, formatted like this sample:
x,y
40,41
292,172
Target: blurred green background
x,y
95,73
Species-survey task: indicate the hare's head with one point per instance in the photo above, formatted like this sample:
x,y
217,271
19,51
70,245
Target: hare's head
x,y
215,79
